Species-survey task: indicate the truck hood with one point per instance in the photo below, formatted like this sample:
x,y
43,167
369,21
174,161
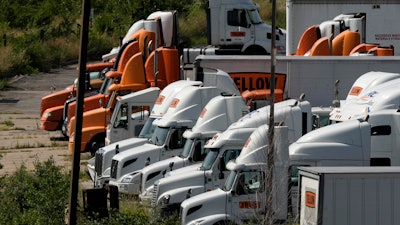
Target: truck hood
x,y
194,167
106,153
193,178
202,205
164,165
155,170
142,150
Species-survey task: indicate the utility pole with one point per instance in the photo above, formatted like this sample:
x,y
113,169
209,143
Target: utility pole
x,y
73,202
270,150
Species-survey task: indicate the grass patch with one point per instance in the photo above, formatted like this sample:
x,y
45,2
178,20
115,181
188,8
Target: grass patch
x,y
8,123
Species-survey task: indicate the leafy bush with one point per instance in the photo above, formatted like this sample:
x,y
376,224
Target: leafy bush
x,y
37,197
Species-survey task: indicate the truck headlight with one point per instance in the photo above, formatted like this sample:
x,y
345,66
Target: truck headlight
x,y
127,179
166,199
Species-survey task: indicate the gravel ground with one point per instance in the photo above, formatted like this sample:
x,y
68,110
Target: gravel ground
x,y
21,140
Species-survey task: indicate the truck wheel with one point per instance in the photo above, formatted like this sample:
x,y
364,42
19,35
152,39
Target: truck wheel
x,y
255,50
97,142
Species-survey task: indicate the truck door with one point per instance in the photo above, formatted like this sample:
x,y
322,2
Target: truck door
x,y
128,121
219,170
249,198
238,30
174,144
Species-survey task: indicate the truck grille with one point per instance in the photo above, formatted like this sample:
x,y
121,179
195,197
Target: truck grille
x,y
155,195
98,163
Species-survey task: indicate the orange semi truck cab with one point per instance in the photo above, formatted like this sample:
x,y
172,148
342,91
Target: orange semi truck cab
x,y
52,105
112,77
159,69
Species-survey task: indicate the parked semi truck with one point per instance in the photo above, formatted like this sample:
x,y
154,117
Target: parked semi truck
x,y
52,105
244,198
349,195
217,115
380,92
99,165
235,27
171,191
381,25
102,161
356,142
144,41
159,69
167,139
55,114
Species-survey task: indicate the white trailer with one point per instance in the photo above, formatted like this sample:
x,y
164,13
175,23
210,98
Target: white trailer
x,y
349,195
382,24
313,76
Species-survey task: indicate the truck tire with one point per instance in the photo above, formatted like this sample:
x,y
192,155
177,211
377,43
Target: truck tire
x,y
97,142
255,50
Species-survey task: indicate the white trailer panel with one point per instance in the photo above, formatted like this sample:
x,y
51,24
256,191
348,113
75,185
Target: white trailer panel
x,y
349,195
314,76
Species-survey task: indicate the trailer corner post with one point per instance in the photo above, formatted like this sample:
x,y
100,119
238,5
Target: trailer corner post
x,y
72,218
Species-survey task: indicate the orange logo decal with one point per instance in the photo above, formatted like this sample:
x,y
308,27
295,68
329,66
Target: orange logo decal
x,y
355,90
174,103
160,99
249,205
310,199
238,34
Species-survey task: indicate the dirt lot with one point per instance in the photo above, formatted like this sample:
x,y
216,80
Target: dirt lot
x,y
21,140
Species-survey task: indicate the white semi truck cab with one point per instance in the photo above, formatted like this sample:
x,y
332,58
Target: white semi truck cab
x,y
372,92
170,191
99,166
369,142
244,197
237,25
130,112
217,115
167,139
234,27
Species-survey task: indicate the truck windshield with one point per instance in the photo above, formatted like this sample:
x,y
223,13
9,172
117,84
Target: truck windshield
x,y
229,181
210,158
159,135
254,16
186,149
148,128
194,148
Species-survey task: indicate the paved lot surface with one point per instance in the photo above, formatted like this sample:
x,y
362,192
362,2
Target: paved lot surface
x,y
21,140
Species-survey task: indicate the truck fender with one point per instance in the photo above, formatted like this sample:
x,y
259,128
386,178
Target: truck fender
x,y
91,135
255,50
